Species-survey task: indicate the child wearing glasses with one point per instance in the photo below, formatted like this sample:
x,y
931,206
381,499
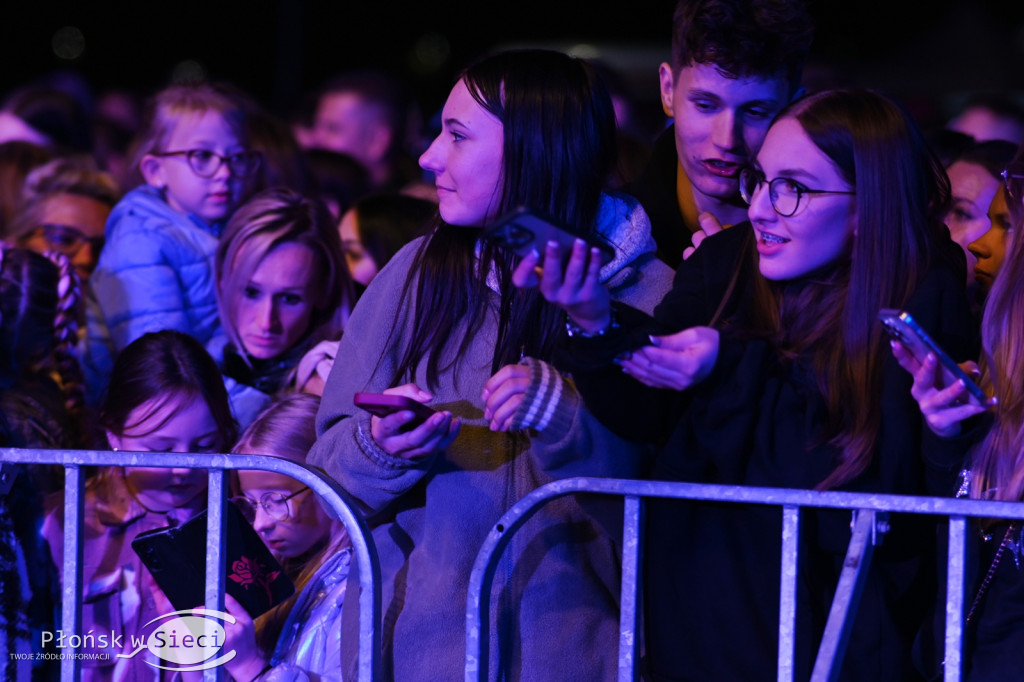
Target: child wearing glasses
x,y
156,269
302,634
165,395
784,379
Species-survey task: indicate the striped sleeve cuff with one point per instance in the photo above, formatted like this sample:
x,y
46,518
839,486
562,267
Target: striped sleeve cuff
x,y
549,403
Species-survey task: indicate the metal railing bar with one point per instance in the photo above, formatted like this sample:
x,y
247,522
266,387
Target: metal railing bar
x,y
478,603
629,616
846,601
71,574
362,544
215,501
787,591
779,497
955,582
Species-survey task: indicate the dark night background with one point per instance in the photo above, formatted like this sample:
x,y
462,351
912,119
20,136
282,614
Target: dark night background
x,y
926,54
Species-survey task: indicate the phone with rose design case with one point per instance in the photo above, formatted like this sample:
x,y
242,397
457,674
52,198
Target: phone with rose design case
x,y
176,558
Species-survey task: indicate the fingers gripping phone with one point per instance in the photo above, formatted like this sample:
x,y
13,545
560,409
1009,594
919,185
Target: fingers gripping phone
x,y
382,405
902,327
523,231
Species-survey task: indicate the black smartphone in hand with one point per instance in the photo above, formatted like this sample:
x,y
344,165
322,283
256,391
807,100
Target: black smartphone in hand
x,y
902,327
524,230
176,558
383,405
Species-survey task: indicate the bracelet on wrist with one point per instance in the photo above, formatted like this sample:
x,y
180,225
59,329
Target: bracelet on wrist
x,y
576,331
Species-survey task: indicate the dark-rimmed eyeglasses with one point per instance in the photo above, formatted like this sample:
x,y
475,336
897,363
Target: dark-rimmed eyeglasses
x,y
784,193
68,240
1013,181
274,504
206,163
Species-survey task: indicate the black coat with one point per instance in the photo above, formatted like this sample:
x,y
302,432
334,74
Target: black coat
x,y
712,571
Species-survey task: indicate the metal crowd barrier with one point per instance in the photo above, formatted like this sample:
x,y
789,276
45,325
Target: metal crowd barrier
x,y
74,462
870,511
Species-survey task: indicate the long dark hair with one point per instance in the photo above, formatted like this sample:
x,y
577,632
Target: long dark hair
x,y
559,144
830,316
40,297
997,463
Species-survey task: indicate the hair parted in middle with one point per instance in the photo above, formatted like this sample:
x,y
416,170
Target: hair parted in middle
x,y
162,366
281,216
902,194
559,145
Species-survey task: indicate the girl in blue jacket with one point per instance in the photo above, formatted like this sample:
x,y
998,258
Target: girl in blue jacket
x,y
156,269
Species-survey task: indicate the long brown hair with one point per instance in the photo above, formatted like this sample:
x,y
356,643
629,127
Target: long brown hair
x,y
559,144
829,318
997,463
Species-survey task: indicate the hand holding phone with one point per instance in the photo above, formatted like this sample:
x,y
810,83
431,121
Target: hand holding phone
x,y
423,436
902,327
523,231
176,558
386,404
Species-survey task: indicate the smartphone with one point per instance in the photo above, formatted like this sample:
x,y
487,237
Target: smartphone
x,y
902,327
523,231
176,558
382,405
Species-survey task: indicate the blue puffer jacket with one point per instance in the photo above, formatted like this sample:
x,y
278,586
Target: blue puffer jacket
x,y
155,272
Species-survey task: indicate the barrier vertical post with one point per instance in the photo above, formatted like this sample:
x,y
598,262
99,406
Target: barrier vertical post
x,y
71,609
787,591
953,661
629,620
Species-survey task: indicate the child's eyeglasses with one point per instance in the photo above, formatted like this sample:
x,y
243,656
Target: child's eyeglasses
x,y
206,163
68,240
275,504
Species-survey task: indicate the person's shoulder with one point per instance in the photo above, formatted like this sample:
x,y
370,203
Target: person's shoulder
x,y
401,262
144,210
385,292
725,247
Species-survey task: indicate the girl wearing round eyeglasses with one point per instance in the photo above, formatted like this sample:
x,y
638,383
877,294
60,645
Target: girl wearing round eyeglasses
x,y
156,268
769,368
301,636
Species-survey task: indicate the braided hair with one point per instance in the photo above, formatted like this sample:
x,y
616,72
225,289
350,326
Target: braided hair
x,y
65,332
39,316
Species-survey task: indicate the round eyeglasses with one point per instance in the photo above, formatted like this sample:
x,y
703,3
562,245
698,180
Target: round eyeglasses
x,y
274,504
68,240
784,193
206,163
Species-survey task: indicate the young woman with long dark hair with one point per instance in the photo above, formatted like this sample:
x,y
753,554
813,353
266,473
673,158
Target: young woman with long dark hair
x,y
442,324
780,376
